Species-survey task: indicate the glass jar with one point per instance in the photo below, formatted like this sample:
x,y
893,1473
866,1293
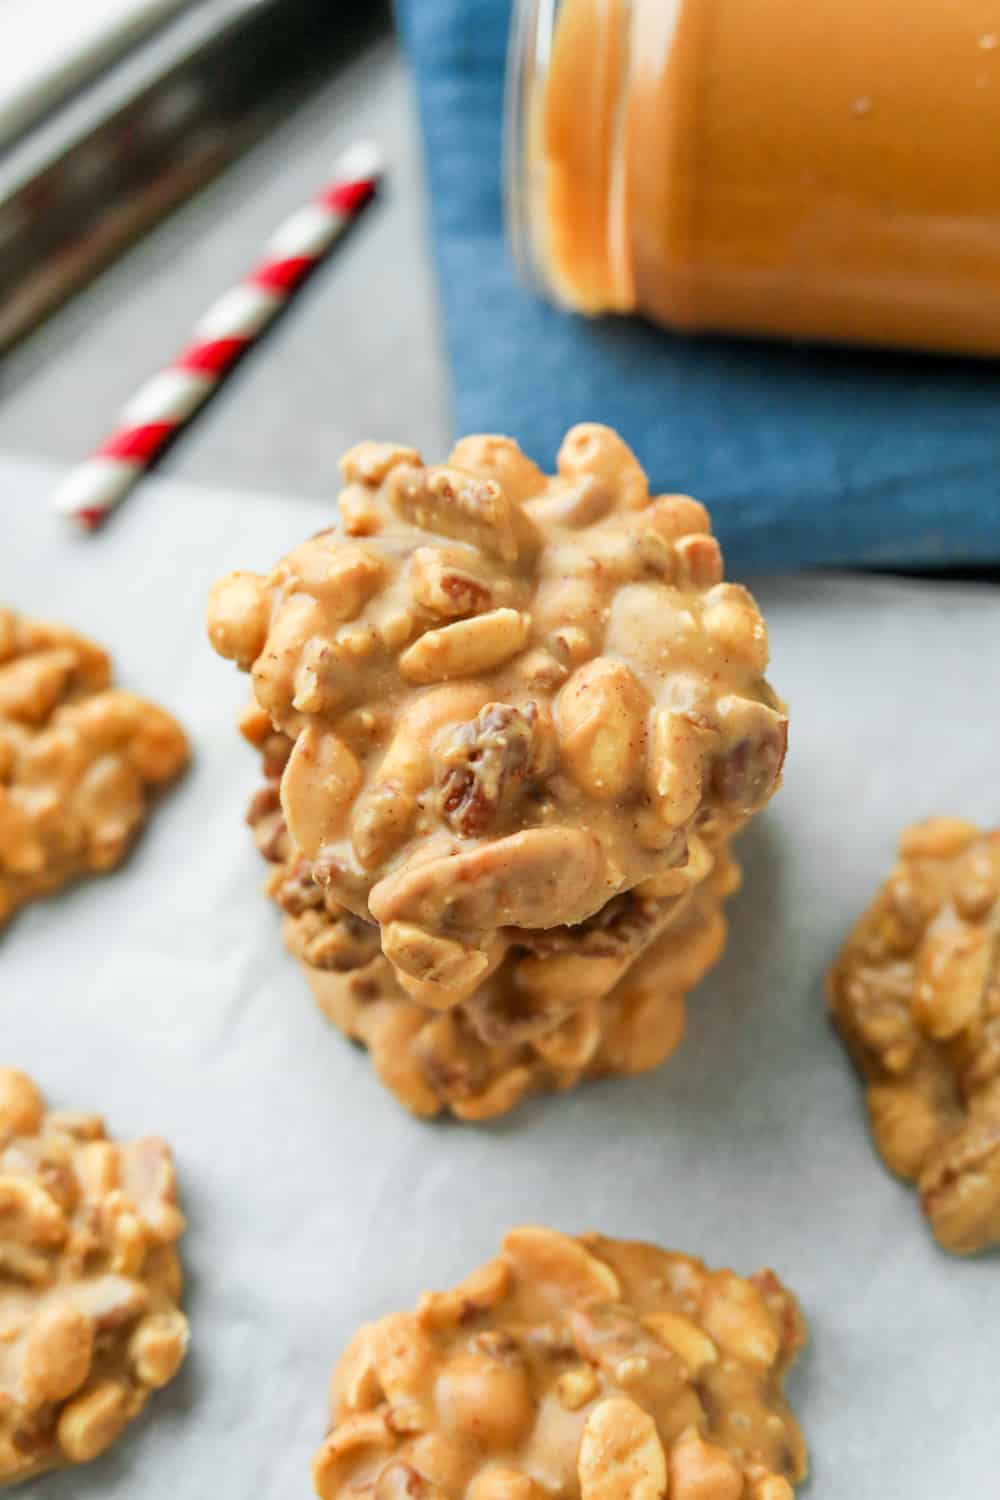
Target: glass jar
x,y
801,168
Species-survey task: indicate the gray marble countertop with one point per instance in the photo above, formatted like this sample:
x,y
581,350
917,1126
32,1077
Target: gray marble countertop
x,y
358,355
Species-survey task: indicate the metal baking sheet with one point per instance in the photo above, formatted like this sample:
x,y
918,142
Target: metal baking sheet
x,y
161,996
93,175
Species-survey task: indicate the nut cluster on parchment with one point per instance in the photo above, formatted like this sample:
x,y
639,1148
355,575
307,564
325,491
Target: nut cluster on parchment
x,y
90,1282
79,760
572,1366
509,723
916,995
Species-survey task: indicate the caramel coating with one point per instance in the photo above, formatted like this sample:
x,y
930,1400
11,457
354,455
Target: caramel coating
x,y
511,698
573,1367
563,1005
90,1282
916,995
79,760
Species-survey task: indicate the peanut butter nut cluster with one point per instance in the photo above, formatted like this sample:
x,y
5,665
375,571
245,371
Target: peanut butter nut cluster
x,y
916,995
79,760
89,1282
584,1368
511,697
566,1004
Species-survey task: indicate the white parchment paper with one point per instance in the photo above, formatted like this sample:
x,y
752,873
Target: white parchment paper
x,y
161,996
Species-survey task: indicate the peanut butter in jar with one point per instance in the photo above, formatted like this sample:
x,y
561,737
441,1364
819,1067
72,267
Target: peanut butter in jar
x,y
817,169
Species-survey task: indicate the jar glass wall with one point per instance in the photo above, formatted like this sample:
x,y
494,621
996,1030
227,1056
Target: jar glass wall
x,y
805,170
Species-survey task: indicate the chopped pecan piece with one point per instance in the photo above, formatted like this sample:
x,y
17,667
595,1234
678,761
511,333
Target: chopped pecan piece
x,y
487,762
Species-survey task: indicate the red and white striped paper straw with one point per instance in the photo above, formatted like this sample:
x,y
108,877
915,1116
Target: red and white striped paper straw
x,y
170,399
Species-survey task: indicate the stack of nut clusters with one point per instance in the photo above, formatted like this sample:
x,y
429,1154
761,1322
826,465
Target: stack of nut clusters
x,y
508,724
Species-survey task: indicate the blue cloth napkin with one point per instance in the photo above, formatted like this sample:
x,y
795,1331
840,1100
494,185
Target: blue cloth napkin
x,y
804,455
